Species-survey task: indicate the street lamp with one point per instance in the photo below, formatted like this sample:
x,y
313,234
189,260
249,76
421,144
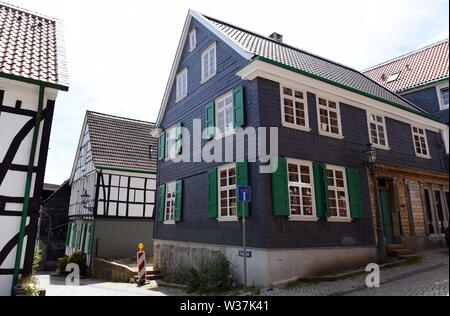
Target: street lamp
x,y
85,201
371,154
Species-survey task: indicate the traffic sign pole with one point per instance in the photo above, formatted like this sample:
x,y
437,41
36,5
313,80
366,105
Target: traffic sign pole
x,y
244,242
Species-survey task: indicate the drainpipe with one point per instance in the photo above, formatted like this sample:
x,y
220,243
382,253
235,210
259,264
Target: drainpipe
x,y
26,202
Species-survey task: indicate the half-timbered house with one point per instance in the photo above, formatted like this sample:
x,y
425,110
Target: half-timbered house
x,y
32,72
113,184
313,213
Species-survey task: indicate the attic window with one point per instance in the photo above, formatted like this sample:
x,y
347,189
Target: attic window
x,y
393,77
192,40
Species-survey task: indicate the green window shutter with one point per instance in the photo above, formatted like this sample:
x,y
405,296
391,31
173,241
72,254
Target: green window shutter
x,y
83,244
211,118
354,193
212,194
91,237
242,179
69,232
238,107
178,200
179,141
161,202
162,146
74,235
321,188
280,188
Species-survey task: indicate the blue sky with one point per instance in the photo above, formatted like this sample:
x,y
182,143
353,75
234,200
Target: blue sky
x,y
120,52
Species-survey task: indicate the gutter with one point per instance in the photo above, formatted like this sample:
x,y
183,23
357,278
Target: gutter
x,y
28,188
126,170
423,85
269,61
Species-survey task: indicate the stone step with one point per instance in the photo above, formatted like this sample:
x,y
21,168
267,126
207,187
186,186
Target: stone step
x,y
150,277
395,247
149,272
404,252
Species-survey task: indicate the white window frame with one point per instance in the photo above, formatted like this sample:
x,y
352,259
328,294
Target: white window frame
x,y
228,218
182,85
440,89
171,143
328,109
294,125
192,40
424,136
169,218
301,185
226,132
336,189
377,124
210,73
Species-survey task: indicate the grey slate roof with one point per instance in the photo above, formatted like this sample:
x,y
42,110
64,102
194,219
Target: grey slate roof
x,y
122,143
317,66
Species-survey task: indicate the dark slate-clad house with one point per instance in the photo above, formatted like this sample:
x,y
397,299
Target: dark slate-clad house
x,y
53,226
113,184
315,212
32,73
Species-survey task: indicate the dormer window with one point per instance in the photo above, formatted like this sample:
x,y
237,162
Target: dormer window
x,y
393,77
192,40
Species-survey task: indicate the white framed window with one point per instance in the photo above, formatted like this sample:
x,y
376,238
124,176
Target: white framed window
x,y
393,77
420,142
209,63
377,131
227,192
301,190
169,208
224,114
182,85
171,142
294,108
338,194
192,40
329,117
444,98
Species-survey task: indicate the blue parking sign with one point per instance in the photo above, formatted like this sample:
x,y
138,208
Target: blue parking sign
x,y
244,194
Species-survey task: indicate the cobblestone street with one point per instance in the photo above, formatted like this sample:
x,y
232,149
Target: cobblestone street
x,y
429,278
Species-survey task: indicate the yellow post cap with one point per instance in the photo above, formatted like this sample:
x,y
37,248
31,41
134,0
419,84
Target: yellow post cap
x,y
141,246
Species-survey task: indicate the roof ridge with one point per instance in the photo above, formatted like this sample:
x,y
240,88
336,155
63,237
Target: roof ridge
x,y
119,117
28,11
419,50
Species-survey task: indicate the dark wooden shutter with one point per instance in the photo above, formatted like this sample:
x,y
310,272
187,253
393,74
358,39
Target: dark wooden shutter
x,y
91,237
83,244
161,202
238,107
242,179
280,190
162,146
179,141
354,193
212,194
211,119
69,232
321,188
178,200
74,235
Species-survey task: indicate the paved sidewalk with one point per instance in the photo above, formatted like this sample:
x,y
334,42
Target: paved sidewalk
x,y
56,286
430,277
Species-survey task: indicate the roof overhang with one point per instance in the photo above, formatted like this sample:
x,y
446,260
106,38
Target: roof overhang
x,y
34,82
268,69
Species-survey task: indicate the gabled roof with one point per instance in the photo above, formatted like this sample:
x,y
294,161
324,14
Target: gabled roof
x,y
32,47
418,68
121,143
253,46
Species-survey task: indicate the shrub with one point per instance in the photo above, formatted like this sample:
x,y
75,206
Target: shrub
x,y
62,264
36,260
32,290
79,258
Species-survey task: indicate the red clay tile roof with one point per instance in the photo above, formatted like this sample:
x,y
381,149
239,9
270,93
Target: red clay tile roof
x,y
31,46
417,68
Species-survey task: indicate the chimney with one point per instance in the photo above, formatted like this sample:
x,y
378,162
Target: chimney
x,y
277,37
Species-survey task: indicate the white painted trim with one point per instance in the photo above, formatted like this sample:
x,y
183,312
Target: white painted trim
x,y
329,98
202,20
192,47
229,219
221,218
305,128
379,146
182,73
299,218
425,136
208,51
262,69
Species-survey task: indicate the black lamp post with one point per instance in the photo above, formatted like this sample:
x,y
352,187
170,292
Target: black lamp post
x,y
372,159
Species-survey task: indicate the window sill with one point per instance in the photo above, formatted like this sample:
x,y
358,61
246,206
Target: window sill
x,y
331,135
423,156
169,223
228,219
222,136
339,220
299,218
192,49
298,127
381,147
207,79
181,99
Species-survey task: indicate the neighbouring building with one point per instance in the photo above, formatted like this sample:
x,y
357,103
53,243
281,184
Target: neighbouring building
x,y
113,184
52,230
32,72
314,212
